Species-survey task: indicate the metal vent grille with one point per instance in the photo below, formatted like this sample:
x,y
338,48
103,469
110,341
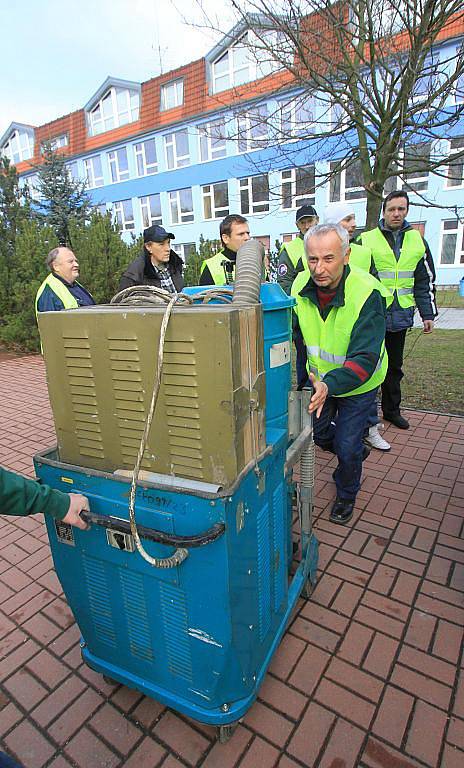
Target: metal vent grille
x,y
182,408
175,627
83,396
264,572
136,615
278,545
99,601
128,395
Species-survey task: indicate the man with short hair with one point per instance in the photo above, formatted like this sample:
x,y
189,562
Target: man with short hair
x,y
60,290
220,268
405,266
292,261
341,316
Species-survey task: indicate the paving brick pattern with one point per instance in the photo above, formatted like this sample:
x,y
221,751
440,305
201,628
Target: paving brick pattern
x,y
369,674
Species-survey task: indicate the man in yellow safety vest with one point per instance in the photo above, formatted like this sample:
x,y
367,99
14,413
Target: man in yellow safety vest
x,y
60,290
340,314
220,268
405,266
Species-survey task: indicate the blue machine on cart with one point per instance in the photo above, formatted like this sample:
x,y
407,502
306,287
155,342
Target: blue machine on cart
x,y
197,636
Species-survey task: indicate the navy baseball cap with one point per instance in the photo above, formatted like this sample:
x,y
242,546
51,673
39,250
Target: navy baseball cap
x,y
304,211
156,234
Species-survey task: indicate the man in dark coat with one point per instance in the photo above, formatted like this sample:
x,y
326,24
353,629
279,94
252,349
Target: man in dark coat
x,y
158,265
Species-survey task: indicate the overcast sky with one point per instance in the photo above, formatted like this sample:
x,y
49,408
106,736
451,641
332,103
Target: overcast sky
x,y
57,53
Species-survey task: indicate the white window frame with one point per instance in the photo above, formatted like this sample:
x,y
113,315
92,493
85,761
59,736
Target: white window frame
x,y
73,170
460,161
416,183
141,158
170,142
97,122
93,180
253,129
124,215
234,72
352,191
59,141
208,194
19,147
207,151
115,157
148,218
175,207
290,179
459,84
292,111
254,206
172,94
458,231
180,249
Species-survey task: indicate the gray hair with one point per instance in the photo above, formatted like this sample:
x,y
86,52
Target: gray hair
x,y
51,257
324,229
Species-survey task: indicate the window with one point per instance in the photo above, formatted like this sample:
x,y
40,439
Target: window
x,y
33,186
184,250
150,208
253,129
215,200
298,186
57,142
248,59
456,166
181,205
452,243
177,149
72,170
254,194
172,94
119,168
212,140
100,208
93,171
145,157
416,159
124,215
297,116
346,183
117,107
459,84
20,146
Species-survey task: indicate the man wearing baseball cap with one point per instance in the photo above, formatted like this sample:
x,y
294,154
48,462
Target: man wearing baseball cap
x,y
292,260
158,265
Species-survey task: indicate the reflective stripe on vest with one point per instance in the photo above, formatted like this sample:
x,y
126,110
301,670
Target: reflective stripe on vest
x,y
327,341
60,290
214,264
396,275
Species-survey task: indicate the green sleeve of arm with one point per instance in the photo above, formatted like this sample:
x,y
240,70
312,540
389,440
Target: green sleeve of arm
x,y
19,496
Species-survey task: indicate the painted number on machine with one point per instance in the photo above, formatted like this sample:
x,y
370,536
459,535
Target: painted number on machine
x,y
280,354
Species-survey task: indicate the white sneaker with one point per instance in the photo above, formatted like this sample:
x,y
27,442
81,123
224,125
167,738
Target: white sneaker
x,y
375,440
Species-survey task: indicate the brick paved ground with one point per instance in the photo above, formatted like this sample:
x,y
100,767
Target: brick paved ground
x,y
367,674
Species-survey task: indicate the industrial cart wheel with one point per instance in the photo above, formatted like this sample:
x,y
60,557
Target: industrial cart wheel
x,y
224,732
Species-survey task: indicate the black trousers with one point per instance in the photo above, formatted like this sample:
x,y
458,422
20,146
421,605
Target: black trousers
x,y
391,387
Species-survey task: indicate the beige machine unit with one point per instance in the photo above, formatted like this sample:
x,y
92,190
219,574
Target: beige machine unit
x,y
209,419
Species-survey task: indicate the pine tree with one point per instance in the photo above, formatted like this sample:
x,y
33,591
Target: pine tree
x,y
14,210
63,201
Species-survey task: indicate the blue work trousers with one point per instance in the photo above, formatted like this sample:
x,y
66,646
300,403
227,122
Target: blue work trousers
x,y
340,429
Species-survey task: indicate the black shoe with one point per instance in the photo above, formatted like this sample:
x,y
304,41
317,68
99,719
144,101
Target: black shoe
x,y
342,511
365,452
398,420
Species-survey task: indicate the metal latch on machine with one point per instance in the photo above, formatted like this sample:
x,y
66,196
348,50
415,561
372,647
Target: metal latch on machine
x,y
123,541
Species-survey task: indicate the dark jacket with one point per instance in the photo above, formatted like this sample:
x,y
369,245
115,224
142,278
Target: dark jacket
x,y
142,272
399,318
49,301
19,496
